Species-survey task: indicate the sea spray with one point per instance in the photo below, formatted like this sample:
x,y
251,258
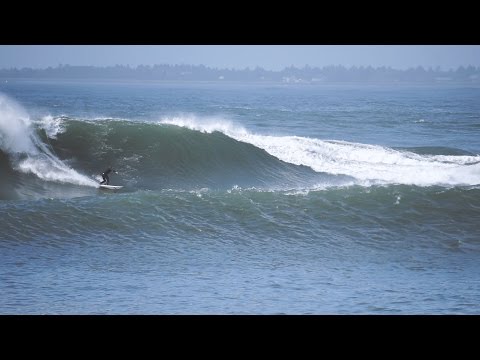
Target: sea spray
x,y
27,152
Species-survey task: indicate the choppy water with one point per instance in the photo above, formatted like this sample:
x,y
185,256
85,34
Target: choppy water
x,y
239,199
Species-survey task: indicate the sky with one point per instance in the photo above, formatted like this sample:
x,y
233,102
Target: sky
x,y
269,57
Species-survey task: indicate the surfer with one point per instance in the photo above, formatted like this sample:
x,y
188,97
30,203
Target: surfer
x,y
105,176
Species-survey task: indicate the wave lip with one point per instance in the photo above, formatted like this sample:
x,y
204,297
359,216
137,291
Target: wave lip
x,y
52,125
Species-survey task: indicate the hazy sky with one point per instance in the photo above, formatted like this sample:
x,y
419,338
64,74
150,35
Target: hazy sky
x,y
270,57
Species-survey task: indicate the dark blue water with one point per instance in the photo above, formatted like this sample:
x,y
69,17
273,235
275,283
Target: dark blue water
x,y
239,199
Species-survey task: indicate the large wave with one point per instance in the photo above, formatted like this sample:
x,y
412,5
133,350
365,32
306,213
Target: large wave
x,y
153,156
190,152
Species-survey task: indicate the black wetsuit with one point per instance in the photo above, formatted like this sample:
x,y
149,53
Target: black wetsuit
x,y
105,176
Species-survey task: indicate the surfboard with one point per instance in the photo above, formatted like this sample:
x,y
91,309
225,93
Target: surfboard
x,y
111,187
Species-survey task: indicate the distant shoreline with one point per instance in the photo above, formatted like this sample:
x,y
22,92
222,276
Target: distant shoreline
x,y
291,75
4,80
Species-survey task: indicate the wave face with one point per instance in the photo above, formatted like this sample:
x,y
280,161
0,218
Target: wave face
x,y
157,156
189,152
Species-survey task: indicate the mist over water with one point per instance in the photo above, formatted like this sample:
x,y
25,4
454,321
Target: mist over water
x,y
14,127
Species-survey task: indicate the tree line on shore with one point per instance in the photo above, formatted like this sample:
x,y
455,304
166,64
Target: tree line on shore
x,y
306,74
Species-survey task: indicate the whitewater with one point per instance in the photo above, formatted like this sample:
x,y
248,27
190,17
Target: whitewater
x,y
27,152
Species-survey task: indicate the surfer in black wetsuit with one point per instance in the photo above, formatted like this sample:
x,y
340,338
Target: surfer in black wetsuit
x,y
105,177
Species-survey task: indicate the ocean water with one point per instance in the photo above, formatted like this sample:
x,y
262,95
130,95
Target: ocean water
x,y
239,199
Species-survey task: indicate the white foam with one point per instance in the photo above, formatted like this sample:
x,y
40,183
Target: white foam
x,y
48,169
52,125
28,154
367,163
206,125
